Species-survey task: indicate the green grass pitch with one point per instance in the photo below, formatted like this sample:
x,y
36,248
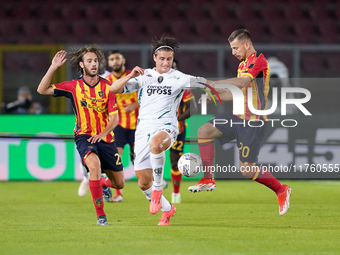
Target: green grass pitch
x,y
239,217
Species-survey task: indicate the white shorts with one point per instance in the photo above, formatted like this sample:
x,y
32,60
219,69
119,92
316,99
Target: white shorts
x,y
142,148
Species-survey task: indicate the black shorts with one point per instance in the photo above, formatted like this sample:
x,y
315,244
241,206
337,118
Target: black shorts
x,y
107,153
124,136
178,145
249,137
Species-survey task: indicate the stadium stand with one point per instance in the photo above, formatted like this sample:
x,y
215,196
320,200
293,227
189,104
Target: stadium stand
x,y
219,13
298,21
154,28
195,13
33,27
131,32
95,11
72,11
193,21
48,11
329,32
182,30
305,32
17,11
207,31
58,30
145,12
280,32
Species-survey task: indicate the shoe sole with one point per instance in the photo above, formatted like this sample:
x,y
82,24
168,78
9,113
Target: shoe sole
x,y
117,201
204,189
288,197
103,224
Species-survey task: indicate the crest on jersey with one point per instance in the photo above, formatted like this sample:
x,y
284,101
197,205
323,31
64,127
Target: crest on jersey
x,y
160,79
101,94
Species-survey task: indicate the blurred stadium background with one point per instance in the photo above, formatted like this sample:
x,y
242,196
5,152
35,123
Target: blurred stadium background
x,y
303,34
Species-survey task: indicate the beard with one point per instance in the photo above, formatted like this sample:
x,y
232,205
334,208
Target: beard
x,y
88,72
117,69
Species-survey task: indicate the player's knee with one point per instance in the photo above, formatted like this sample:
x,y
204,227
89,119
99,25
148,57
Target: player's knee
x,y
144,184
155,147
206,131
144,181
120,184
248,171
94,173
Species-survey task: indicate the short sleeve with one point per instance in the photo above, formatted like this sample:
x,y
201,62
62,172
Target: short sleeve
x,y
132,85
112,105
63,89
260,64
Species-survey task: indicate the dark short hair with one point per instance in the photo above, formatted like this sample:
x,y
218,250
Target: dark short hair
x,y
77,56
240,34
167,41
114,52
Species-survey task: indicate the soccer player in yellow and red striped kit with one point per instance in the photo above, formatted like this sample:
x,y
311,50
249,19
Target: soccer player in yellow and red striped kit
x,y
253,72
127,104
96,116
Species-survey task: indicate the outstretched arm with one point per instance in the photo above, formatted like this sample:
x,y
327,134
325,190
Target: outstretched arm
x,y
118,85
239,82
224,93
44,87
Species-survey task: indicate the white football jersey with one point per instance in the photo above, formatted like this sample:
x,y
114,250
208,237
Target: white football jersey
x,y
159,95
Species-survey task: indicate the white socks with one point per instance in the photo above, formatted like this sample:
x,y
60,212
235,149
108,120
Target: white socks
x,y
147,193
157,162
166,206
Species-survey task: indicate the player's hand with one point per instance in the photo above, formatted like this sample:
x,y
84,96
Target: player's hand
x,y
59,58
209,99
130,107
95,138
136,72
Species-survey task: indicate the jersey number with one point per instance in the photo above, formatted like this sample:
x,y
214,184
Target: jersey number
x,y
244,150
177,145
118,162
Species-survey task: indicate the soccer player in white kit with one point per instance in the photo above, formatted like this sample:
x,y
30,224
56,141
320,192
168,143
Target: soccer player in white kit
x,y
160,91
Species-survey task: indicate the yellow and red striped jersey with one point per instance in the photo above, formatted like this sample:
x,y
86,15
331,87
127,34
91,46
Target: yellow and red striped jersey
x,y
256,67
187,96
92,105
126,120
